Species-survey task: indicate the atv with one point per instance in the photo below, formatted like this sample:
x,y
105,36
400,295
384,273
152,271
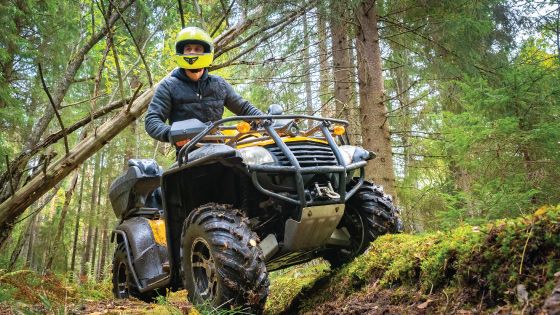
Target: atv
x,y
246,196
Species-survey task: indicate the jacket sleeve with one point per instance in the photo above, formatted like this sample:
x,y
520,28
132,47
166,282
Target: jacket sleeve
x,y
237,104
158,113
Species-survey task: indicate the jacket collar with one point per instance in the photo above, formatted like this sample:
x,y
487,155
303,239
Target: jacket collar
x,y
179,73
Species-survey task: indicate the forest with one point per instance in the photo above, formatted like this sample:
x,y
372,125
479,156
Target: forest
x,y
459,100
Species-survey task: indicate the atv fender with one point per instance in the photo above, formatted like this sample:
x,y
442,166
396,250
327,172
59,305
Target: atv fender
x,y
148,256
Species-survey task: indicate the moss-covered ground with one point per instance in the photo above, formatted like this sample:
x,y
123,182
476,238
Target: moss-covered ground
x,y
503,267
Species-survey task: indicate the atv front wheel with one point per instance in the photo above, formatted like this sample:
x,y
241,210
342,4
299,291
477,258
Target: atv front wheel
x,y
369,214
221,263
123,283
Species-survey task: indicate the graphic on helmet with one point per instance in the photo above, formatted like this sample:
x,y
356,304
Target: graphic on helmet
x,y
190,60
193,35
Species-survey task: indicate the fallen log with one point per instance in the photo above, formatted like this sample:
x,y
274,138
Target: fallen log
x,y
14,206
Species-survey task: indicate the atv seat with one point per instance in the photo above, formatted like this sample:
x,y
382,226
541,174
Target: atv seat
x,y
137,188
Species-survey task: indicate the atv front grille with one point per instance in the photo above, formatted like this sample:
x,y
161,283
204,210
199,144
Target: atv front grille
x,y
307,153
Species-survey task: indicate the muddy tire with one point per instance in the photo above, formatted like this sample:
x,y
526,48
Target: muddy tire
x,y
221,264
369,214
123,281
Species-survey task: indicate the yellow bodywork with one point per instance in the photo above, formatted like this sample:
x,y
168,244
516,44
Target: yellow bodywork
x,y
158,229
233,132
284,139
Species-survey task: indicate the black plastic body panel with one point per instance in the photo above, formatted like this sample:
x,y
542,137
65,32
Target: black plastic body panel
x,y
148,256
136,188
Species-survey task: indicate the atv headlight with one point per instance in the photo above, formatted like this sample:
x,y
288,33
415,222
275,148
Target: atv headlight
x,y
256,155
352,154
347,153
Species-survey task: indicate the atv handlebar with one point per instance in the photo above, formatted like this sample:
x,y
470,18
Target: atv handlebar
x,y
265,120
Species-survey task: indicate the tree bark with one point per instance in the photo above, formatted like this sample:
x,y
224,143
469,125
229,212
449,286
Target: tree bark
x,y
341,60
28,232
105,235
307,72
324,67
57,239
77,224
20,242
354,129
375,125
96,220
30,244
91,218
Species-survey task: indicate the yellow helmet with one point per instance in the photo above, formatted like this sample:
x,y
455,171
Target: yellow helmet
x,y
193,35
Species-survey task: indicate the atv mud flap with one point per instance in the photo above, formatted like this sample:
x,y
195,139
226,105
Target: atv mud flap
x,y
315,228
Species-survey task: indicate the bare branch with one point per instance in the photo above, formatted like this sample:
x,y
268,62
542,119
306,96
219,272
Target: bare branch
x,y
181,13
199,12
224,17
54,108
279,27
148,72
110,42
134,96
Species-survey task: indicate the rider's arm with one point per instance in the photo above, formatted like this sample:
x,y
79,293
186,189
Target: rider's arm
x,y
237,104
158,113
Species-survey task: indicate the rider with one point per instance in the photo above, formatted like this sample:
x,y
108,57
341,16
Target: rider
x,y
190,92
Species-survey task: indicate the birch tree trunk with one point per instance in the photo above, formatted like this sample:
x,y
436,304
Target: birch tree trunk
x,y
375,126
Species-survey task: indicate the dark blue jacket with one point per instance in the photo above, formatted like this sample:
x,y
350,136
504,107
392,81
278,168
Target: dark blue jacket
x,y
178,98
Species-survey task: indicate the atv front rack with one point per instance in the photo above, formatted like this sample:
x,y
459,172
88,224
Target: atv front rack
x,y
267,127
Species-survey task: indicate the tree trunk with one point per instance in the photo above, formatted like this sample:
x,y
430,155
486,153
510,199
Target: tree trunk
x,y
354,129
91,218
341,60
96,220
77,225
105,235
307,72
324,68
30,244
20,242
28,232
375,126
62,222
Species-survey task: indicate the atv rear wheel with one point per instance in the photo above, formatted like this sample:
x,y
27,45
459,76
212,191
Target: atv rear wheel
x,y
123,283
369,214
221,263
